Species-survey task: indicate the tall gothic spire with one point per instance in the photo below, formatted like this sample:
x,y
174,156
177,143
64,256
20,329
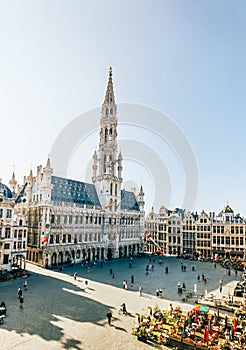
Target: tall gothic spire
x,y
109,97
107,165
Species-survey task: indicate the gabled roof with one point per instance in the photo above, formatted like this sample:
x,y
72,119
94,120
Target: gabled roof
x,y
5,191
71,191
228,209
128,201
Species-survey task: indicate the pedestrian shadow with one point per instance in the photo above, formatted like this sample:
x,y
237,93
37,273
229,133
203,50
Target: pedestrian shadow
x,y
75,291
120,328
72,344
146,296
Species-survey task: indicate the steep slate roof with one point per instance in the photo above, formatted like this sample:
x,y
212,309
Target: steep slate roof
x,y
128,201
5,191
71,191
228,209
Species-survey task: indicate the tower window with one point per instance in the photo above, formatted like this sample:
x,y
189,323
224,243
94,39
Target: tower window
x,y
110,134
104,165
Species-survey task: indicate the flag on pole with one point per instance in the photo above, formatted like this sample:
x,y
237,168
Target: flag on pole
x,y
44,238
109,206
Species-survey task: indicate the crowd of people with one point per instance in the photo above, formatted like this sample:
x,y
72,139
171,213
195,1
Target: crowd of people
x,y
200,328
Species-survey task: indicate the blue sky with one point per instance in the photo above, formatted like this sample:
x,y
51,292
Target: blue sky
x,y
183,58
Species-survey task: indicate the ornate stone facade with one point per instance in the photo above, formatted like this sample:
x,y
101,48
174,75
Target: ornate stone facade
x,y
204,235
72,221
13,230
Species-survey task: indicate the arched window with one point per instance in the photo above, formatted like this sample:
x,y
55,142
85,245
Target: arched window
x,y
111,110
111,189
106,111
104,163
110,134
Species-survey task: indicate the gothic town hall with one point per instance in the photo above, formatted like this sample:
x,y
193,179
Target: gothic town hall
x,y
71,221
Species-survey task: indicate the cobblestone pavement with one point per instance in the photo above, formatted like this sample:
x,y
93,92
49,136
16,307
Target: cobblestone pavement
x,y
62,313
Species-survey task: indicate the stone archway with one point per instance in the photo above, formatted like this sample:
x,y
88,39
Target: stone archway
x,y
88,255
68,258
121,252
54,259
78,254
93,254
102,253
84,255
19,262
125,250
73,254
98,254
110,252
60,258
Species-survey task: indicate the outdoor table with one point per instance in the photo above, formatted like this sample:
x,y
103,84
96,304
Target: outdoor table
x,y
199,335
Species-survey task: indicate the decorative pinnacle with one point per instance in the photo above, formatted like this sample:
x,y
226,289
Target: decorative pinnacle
x,y
109,97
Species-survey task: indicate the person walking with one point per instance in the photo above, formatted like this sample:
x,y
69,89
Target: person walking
x,y
19,292
221,283
140,291
21,301
132,279
75,275
109,317
123,307
170,309
25,284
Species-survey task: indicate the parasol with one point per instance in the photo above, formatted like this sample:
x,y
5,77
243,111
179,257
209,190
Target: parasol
x,y
201,308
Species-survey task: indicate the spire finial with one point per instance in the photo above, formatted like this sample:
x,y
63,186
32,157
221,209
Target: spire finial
x,y
109,97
